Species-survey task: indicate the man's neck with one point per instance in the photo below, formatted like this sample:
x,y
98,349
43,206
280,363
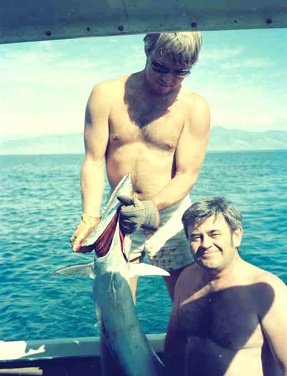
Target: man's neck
x,y
152,95
218,277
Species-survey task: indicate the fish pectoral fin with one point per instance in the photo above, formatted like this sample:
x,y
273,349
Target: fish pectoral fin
x,y
143,269
77,270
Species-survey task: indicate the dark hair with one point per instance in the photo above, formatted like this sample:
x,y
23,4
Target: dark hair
x,y
182,47
198,212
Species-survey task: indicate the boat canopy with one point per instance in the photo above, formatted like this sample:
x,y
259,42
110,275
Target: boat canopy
x,y
36,20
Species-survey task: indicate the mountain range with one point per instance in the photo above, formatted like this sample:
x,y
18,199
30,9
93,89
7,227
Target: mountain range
x,y
221,139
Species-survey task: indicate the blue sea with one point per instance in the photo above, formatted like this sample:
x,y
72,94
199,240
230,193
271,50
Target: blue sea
x,y
40,206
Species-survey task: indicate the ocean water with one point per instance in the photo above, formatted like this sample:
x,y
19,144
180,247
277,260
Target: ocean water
x,y
40,206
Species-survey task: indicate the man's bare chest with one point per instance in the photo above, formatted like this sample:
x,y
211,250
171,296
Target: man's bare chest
x,y
226,318
146,125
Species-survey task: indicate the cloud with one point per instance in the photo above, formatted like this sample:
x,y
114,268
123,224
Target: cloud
x,y
248,63
209,56
248,106
45,85
41,123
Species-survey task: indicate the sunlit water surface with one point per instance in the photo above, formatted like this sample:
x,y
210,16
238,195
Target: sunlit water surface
x,y
40,206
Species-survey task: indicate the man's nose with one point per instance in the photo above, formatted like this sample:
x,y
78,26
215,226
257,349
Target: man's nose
x,y
206,242
167,78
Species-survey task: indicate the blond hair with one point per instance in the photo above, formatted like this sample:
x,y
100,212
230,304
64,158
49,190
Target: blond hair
x,y
181,47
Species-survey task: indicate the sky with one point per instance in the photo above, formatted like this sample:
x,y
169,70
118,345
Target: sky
x,y
45,85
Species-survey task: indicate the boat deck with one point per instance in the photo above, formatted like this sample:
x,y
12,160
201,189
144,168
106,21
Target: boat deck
x,y
58,357
61,367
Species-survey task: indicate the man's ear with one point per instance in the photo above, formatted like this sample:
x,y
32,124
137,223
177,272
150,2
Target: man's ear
x,y
237,236
146,50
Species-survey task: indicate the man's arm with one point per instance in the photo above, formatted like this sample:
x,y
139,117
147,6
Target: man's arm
x,y
96,137
174,349
190,154
274,320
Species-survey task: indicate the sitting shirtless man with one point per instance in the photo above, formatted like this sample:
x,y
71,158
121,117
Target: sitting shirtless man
x,y
148,125
229,316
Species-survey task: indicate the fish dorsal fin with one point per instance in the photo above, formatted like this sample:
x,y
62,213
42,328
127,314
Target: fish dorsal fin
x,y
143,269
78,270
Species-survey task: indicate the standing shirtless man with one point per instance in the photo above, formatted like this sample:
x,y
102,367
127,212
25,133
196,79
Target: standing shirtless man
x,y
150,126
229,317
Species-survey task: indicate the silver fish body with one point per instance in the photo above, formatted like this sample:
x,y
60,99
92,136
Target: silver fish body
x,y
113,299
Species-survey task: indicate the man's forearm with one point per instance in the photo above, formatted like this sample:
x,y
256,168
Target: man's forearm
x,y
92,186
179,187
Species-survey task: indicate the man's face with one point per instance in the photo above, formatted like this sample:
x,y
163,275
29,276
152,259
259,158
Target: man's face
x,y
163,75
213,245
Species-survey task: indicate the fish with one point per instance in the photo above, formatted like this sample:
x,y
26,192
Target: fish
x,y
114,305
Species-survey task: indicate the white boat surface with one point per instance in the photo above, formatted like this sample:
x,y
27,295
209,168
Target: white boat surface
x,y
63,356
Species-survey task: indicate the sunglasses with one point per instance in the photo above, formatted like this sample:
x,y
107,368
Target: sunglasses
x,y
159,68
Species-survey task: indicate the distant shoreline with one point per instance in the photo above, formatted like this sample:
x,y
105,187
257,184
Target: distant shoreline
x,y
221,140
208,152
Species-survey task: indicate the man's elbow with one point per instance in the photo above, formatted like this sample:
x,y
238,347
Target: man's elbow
x,y
188,177
94,161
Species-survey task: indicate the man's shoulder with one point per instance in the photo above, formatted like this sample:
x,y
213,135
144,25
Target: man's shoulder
x,y
264,279
188,275
109,89
189,281
267,288
269,278
192,102
111,83
187,94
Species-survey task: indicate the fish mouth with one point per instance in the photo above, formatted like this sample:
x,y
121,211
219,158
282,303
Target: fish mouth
x,y
102,245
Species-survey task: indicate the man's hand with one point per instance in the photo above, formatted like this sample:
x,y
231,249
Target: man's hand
x,y
135,213
83,230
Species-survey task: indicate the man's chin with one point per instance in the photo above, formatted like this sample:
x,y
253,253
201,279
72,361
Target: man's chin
x,y
208,264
